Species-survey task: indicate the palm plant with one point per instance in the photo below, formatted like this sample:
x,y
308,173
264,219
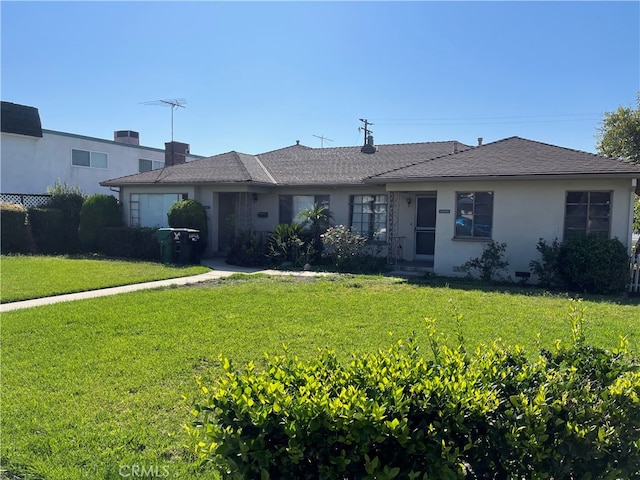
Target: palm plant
x,y
317,219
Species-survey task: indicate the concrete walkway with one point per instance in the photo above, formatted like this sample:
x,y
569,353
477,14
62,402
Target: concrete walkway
x,y
219,269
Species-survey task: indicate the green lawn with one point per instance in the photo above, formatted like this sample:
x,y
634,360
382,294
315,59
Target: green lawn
x,y
93,387
27,277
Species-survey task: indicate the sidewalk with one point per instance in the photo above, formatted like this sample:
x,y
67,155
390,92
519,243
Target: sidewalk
x,y
219,269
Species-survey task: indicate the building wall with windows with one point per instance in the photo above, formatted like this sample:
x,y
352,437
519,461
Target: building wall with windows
x,y
32,164
523,211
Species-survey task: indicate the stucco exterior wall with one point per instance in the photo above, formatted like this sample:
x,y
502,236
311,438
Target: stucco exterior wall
x,y
31,165
524,211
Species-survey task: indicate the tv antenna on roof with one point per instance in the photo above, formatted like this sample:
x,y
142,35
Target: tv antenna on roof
x,y
322,139
174,103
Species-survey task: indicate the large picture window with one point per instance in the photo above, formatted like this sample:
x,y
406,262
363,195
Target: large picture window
x,y
368,216
85,158
587,213
292,205
150,209
474,214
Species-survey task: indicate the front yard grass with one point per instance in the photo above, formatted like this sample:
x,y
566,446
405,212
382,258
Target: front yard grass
x,y
26,277
92,388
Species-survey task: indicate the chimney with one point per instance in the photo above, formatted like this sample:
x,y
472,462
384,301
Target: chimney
x,y
479,141
175,153
126,136
369,147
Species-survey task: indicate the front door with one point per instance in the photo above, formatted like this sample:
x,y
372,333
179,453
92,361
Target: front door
x,y
425,227
226,219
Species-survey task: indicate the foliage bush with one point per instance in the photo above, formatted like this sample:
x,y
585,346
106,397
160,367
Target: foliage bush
x,y
289,242
98,211
48,230
69,199
490,264
138,243
594,264
14,229
570,413
343,247
247,249
190,214
547,268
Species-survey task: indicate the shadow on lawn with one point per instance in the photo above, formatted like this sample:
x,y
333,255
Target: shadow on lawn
x,y
463,283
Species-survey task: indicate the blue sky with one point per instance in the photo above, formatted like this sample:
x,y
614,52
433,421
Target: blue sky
x,y
259,76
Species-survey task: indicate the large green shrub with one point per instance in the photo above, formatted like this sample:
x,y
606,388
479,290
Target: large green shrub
x,y
14,228
594,264
69,200
98,211
129,242
190,214
571,413
48,229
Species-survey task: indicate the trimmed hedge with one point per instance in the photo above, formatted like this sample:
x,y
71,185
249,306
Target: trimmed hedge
x,y
571,413
129,242
594,264
14,229
48,226
98,211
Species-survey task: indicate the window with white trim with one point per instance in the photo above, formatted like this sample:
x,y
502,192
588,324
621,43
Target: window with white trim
x,y
86,158
150,209
587,213
145,165
368,216
292,205
474,215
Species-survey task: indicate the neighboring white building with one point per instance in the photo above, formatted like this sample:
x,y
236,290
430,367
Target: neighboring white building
x,y
33,158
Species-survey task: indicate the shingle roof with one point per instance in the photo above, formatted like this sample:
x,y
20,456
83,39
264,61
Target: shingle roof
x,y
294,165
512,157
20,119
299,165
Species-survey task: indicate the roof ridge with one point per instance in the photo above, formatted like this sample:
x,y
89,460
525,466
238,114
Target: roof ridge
x,y
420,162
236,155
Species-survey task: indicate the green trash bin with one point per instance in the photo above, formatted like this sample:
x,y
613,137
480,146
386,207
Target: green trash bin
x,y
167,240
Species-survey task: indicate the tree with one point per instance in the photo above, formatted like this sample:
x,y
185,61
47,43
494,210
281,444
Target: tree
x,y
619,136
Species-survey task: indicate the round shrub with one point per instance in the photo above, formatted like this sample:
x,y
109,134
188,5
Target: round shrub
x,y
98,211
190,214
594,264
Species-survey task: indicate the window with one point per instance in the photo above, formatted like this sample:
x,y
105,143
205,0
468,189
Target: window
x,y
474,214
145,165
85,158
368,216
150,209
587,213
292,205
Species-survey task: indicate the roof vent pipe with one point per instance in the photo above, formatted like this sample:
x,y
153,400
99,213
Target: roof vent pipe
x,y
479,141
455,146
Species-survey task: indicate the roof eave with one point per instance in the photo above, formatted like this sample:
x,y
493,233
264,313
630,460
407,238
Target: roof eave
x,y
454,178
